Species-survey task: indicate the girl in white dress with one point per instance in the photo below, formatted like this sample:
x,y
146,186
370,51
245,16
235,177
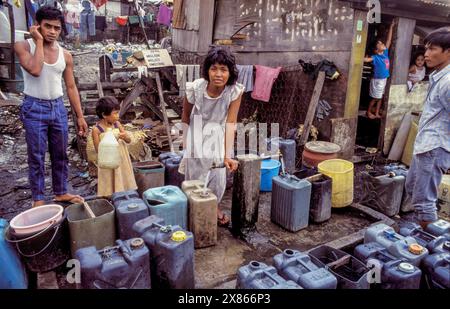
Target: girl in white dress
x,y
416,70
210,109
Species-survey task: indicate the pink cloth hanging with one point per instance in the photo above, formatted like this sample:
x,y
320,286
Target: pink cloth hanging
x,y
265,77
164,15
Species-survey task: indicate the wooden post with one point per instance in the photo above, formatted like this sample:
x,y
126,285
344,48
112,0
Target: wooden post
x,y
401,46
359,43
245,202
163,108
206,25
99,88
312,108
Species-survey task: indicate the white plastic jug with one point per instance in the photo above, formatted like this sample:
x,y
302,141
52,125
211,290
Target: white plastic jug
x,y
108,151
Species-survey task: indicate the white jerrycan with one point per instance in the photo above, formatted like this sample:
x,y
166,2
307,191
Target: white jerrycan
x,y
108,151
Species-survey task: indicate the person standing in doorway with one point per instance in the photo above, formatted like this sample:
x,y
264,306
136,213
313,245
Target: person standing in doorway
x,y
44,63
431,156
381,64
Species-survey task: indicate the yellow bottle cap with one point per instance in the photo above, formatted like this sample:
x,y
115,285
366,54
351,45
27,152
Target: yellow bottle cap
x,y
415,249
179,236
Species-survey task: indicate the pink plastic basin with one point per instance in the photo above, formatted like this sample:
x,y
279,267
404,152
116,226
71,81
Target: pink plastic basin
x,y
36,219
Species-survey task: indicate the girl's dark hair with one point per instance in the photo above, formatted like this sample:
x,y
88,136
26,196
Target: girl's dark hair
x,y
222,56
439,37
416,55
51,13
106,105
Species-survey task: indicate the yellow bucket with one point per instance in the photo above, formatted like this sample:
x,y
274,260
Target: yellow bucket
x,y
341,173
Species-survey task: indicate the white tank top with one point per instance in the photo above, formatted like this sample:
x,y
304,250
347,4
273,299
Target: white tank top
x,y
48,86
418,76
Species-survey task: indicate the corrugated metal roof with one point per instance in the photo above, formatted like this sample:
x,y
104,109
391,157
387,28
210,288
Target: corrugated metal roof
x,y
444,3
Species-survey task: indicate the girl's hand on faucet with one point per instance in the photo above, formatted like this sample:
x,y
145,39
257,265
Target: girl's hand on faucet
x,y
231,164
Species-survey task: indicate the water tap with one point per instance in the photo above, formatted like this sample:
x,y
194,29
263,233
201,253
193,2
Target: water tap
x,y
217,165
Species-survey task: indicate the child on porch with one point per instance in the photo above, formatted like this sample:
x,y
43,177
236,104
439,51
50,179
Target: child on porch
x,y
380,61
416,70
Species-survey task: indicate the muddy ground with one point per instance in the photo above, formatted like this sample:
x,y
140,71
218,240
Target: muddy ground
x,y
216,266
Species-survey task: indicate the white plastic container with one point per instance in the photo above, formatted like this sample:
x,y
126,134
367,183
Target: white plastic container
x,y
108,151
36,219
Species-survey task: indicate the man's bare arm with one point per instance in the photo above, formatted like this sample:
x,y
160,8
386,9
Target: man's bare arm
x,y
31,63
72,93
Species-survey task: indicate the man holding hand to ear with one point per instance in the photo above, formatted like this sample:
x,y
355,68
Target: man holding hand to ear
x,y
44,64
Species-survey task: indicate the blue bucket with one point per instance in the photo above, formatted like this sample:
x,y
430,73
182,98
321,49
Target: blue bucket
x,y
269,169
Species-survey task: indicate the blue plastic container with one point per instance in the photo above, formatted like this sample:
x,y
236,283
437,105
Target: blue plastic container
x,y
434,244
13,275
269,169
129,209
296,266
406,248
439,228
290,202
393,272
437,270
288,150
171,254
168,203
125,55
258,275
124,266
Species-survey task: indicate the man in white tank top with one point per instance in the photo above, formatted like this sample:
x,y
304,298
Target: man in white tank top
x,y
44,64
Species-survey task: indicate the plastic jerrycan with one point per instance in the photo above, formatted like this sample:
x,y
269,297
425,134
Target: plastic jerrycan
x,y
108,151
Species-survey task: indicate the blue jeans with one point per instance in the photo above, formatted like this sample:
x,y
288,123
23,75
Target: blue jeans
x,y
45,123
424,178
87,24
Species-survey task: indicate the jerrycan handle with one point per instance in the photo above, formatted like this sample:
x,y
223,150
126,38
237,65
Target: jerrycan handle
x,y
391,235
124,249
268,274
305,265
290,177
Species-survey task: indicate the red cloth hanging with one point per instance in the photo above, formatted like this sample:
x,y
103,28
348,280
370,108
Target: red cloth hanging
x,y
99,3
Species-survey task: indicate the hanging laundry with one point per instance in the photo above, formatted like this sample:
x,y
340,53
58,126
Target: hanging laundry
x,y
87,20
181,78
186,73
100,23
164,15
179,18
265,78
245,76
99,3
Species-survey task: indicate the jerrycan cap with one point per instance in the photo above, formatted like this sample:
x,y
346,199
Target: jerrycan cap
x,y
132,206
137,243
179,236
446,245
406,268
415,249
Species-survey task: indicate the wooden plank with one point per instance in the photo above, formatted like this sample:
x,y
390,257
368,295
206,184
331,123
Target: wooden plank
x,y
138,89
343,131
206,25
163,108
105,66
402,54
105,86
99,88
312,108
356,65
152,107
422,16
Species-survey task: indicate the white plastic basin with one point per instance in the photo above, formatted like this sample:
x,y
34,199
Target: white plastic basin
x,y
36,219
